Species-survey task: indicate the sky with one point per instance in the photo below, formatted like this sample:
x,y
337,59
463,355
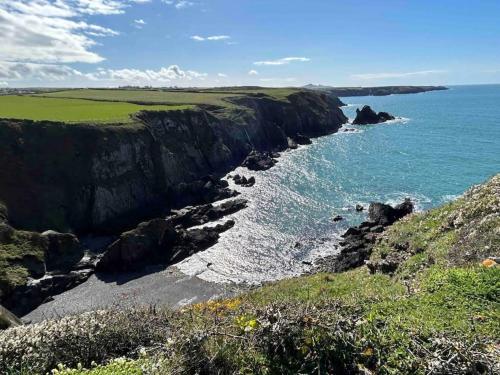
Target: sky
x,y
187,43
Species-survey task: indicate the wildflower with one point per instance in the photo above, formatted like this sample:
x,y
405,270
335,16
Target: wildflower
x,y
488,263
368,352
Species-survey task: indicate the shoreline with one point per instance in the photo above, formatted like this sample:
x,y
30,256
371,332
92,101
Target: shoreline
x,y
172,287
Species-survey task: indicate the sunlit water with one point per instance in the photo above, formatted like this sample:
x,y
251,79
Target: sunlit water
x,y
444,142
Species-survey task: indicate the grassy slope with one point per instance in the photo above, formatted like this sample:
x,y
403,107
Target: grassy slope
x,y
438,312
72,110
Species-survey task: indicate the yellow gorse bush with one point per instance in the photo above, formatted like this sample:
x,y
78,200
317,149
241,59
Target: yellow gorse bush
x,y
217,307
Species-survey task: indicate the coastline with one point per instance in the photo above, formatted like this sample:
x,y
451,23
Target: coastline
x,y
177,301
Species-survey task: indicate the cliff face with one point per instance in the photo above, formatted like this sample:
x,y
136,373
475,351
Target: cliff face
x,y
94,178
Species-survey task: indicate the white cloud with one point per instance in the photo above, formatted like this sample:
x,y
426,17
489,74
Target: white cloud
x,y
3,83
253,73
370,76
138,24
210,38
53,72
283,61
179,4
222,75
94,7
52,31
148,76
56,72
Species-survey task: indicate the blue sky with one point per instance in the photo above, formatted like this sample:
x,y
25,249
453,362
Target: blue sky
x,y
248,42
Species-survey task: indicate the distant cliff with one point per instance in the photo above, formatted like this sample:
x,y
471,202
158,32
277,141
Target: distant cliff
x,y
373,91
87,177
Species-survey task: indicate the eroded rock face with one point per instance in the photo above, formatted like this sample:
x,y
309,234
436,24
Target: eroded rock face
x,y
138,247
367,116
40,265
358,242
384,214
83,178
157,242
166,241
63,251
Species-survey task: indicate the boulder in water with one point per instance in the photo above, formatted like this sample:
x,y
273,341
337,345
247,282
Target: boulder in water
x,y
384,214
367,116
259,161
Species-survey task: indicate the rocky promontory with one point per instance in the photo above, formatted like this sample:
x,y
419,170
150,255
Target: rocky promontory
x,y
374,91
358,241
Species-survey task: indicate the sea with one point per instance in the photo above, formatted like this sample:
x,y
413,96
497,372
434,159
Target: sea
x,y
441,143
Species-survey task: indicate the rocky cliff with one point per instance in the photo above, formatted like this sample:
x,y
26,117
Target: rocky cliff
x,y
374,91
86,177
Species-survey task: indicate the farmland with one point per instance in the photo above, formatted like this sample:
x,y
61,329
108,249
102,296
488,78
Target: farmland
x,y
105,106
145,96
73,110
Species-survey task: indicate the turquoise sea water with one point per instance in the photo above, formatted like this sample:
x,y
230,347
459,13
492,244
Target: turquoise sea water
x,y
444,142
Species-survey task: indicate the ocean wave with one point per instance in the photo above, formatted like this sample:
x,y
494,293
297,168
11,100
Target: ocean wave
x,y
398,120
449,197
420,201
348,130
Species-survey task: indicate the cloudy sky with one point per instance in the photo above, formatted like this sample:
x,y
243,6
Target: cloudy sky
x,y
93,43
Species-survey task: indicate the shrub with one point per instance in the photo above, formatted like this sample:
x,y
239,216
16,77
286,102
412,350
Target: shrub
x,y
91,337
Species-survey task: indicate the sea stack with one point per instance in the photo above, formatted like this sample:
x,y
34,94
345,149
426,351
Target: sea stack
x,y
367,116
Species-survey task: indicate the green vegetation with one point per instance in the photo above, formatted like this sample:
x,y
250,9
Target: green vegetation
x,y
276,93
116,106
73,110
22,255
145,96
438,312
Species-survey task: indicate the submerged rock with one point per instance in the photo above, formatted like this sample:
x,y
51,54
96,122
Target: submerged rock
x,y
191,216
367,116
243,181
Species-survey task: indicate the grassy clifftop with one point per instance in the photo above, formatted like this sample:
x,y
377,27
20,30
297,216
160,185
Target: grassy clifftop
x,y
427,303
117,106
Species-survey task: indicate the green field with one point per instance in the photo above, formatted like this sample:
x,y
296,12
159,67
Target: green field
x,y
73,110
117,105
145,96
